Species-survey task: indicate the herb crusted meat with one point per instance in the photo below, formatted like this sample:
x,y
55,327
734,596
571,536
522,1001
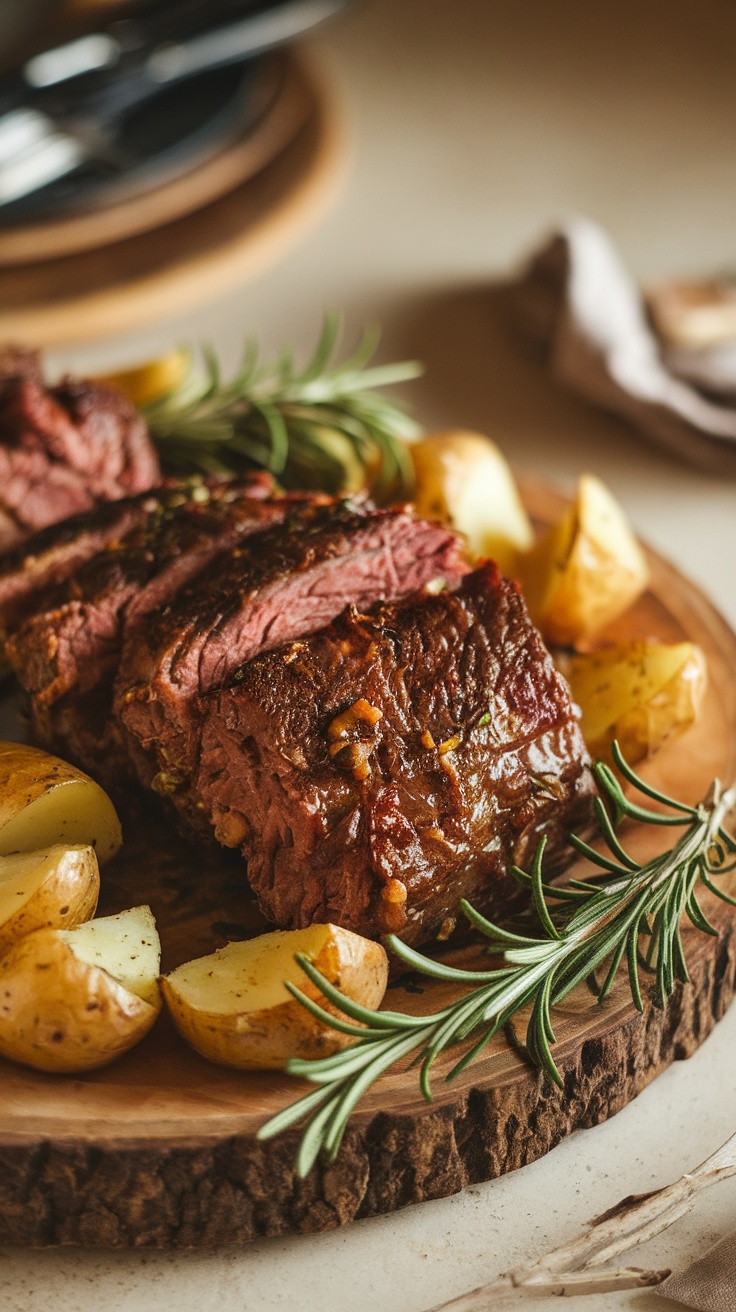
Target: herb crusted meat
x,y
67,650
64,449
320,685
399,760
287,581
52,555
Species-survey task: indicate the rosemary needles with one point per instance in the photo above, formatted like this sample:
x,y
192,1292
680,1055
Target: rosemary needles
x,y
620,911
324,426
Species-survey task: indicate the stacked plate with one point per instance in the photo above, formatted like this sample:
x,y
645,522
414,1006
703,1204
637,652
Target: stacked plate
x,y
221,173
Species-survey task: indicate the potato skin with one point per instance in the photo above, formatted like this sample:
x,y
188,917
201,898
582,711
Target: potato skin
x,y
639,693
29,776
58,1014
66,898
462,478
266,1039
586,571
265,1042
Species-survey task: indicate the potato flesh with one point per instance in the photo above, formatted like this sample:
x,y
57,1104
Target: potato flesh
x,y
464,478
233,1007
250,976
52,888
44,801
60,1014
147,382
639,693
587,570
127,946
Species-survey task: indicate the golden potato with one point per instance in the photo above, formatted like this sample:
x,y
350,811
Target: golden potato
x,y
463,479
147,382
638,692
72,1000
234,1009
126,946
44,801
587,570
55,888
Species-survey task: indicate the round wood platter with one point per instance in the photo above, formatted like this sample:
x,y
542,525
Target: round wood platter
x,y
225,241
159,1149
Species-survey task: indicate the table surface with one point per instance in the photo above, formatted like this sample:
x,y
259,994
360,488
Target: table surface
x,y
476,125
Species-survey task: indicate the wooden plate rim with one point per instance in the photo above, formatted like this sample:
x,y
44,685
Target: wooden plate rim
x,y
193,1130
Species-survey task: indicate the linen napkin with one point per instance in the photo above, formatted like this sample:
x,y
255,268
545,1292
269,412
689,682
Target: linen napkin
x,y
577,298
708,1284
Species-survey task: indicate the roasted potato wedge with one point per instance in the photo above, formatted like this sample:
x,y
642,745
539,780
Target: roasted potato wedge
x,y
464,479
148,382
72,1000
55,888
640,693
587,570
234,1009
44,801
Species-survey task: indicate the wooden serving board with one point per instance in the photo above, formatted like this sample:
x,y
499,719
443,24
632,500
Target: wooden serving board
x,y
159,1149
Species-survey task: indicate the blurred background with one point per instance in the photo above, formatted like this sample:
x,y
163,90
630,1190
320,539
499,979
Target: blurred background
x,y
153,155
473,126
394,159
398,160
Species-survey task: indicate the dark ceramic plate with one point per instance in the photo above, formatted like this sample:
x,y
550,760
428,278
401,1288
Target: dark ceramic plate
x,y
169,135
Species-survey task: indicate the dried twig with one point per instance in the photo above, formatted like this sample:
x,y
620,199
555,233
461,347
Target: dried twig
x,y
571,1270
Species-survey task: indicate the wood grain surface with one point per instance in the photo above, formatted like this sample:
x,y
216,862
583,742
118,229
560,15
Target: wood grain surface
x,y
160,1150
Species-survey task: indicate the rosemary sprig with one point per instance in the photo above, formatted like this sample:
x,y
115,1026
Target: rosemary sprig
x,y
580,925
324,426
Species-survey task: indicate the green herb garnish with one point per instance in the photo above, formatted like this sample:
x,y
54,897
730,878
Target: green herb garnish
x,y
324,426
578,926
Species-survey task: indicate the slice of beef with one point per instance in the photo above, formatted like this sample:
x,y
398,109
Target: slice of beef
x,y
51,555
395,762
64,449
67,652
19,362
286,582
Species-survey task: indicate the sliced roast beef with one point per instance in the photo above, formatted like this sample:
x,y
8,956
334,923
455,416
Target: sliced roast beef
x,y
50,556
19,362
67,652
375,773
64,449
287,582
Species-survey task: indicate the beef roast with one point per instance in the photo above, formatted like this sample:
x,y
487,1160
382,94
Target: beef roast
x,y
64,449
66,653
375,773
289,581
47,558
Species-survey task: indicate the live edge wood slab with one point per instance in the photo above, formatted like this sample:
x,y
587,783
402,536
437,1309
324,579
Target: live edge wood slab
x,y
159,1150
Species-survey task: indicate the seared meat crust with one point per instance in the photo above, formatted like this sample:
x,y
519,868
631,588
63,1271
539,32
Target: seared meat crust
x,y
50,556
64,449
372,772
377,772
288,581
67,652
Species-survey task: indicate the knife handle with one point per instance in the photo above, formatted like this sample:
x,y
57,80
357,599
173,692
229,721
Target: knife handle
x,y
113,91
154,54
